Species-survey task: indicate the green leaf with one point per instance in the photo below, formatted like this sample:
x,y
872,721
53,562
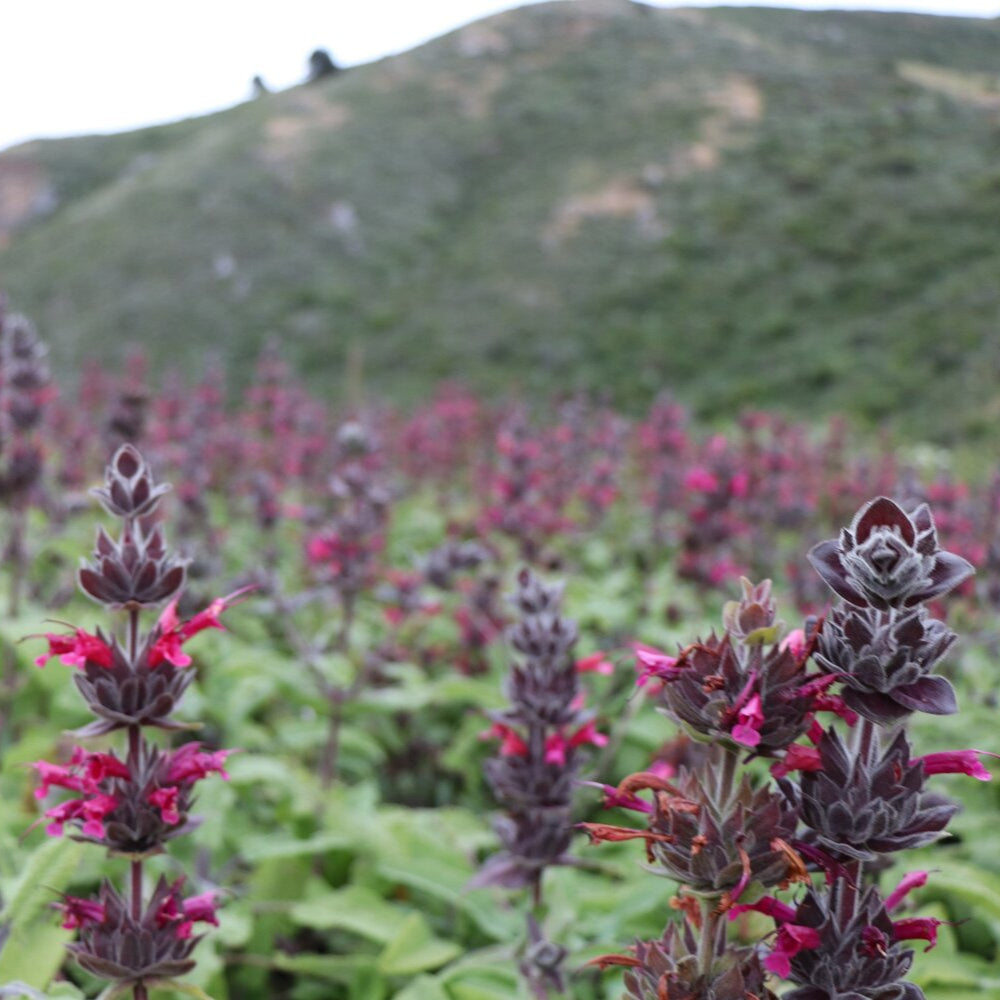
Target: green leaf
x,y
34,953
269,848
415,949
353,909
423,988
188,989
973,885
49,870
338,968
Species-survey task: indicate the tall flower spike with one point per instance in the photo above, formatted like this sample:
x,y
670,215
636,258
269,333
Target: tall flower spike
x,y
132,805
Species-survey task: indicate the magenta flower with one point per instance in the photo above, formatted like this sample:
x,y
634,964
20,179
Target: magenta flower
x,y
184,913
797,758
750,719
79,912
917,929
512,745
909,882
791,939
595,663
556,744
76,649
769,906
699,480
84,773
165,799
956,762
189,764
795,643
90,810
173,633
653,663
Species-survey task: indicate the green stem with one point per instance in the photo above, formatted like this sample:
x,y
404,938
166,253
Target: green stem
x,y
725,776
706,942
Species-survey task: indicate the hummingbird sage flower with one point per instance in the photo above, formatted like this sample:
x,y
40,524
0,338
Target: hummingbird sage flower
x,y
132,804
535,774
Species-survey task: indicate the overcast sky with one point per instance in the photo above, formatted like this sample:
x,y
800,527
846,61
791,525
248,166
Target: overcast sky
x,y
78,66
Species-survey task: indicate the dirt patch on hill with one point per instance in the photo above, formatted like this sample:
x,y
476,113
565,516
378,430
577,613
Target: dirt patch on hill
x,y
25,194
734,105
287,135
620,198
979,89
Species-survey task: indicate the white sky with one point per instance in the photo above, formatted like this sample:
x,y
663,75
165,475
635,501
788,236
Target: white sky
x,y
69,67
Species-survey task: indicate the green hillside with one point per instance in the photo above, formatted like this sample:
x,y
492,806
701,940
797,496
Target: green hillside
x,y
756,207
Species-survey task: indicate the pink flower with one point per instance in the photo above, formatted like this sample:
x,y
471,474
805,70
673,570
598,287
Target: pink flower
x,y
165,799
662,769
739,484
189,764
909,882
99,766
53,774
595,663
84,774
587,733
512,745
797,758
197,909
956,762
174,633
78,912
834,703
751,718
917,929
555,749
92,811
613,799
76,650
700,480
795,643
791,939
654,663
769,906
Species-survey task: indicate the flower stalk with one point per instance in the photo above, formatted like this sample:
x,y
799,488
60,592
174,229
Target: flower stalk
x,y
132,807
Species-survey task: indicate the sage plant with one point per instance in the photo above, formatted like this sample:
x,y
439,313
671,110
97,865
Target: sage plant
x,y
535,774
133,803
864,798
24,390
860,796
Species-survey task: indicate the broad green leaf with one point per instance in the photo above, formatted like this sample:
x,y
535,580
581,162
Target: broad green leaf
x,y
422,988
49,870
353,909
338,968
978,887
187,989
415,949
33,952
267,847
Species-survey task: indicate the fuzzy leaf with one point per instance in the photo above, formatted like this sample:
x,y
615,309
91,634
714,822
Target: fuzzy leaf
x,y
415,949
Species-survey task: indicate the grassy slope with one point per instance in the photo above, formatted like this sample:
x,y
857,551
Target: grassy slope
x,y
758,207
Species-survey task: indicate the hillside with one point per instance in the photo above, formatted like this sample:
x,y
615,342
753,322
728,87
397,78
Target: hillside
x,y
752,206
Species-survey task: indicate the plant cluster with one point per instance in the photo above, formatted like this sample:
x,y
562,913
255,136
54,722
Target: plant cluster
x,y
132,804
844,803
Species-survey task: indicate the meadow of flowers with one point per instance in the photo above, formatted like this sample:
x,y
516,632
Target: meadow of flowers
x,y
302,700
